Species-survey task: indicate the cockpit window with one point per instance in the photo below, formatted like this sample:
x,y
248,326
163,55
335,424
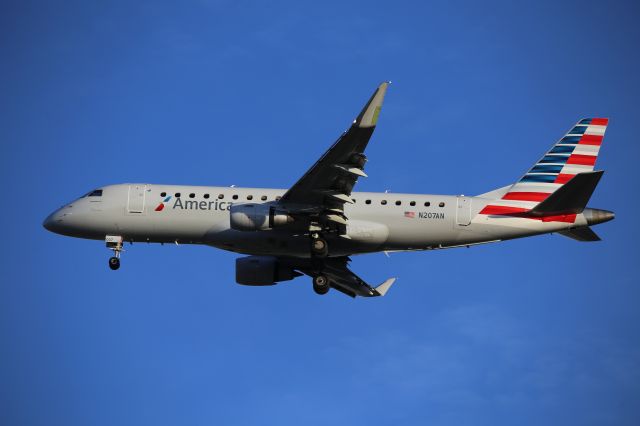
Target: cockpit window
x,y
95,193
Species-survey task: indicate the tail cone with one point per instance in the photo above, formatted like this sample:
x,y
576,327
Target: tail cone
x,y
596,216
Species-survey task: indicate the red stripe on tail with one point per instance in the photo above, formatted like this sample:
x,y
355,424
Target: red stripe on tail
x,y
584,160
600,121
526,214
591,140
563,178
569,218
526,196
502,210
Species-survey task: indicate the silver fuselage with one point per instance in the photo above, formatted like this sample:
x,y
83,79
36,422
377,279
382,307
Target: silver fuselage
x,y
376,221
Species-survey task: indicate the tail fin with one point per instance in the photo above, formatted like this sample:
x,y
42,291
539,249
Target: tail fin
x,y
570,198
572,155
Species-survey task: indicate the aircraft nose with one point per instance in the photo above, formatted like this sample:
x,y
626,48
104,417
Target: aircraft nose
x,y
54,221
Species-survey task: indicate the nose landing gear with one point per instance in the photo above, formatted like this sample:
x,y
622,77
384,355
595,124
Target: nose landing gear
x,y
114,263
114,242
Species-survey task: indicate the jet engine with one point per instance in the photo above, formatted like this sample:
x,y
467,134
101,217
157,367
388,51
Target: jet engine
x,y
257,217
262,270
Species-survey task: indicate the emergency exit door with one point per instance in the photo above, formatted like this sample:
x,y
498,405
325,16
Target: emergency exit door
x,y
136,198
463,211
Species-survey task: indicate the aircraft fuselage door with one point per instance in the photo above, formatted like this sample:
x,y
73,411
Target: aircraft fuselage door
x,y
137,194
463,211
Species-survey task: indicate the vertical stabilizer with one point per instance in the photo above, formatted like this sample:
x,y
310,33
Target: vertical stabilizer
x,y
575,153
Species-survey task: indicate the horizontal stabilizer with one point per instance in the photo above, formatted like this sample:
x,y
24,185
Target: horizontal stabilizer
x,y
583,233
571,198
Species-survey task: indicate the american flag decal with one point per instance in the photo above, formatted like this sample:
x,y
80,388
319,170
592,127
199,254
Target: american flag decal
x,y
411,215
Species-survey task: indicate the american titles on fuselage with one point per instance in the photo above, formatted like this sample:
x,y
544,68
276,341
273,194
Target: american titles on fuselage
x,y
201,205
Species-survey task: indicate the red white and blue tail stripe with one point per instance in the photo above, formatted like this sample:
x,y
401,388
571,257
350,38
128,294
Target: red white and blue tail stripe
x,y
575,153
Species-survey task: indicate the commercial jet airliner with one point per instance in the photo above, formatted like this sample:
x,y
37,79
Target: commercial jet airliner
x,y
314,226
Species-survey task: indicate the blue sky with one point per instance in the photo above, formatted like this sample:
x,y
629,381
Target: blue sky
x,y
538,331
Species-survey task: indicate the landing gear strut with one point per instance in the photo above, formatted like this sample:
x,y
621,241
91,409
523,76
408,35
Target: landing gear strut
x,y
114,242
321,284
319,246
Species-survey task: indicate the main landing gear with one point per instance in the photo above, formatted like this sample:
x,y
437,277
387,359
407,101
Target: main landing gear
x,y
114,242
319,246
319,249
321,284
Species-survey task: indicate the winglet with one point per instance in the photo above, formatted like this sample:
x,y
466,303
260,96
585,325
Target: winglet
x,y
384,287
369,115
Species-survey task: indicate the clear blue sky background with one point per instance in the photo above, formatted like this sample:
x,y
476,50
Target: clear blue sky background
x,y
538,331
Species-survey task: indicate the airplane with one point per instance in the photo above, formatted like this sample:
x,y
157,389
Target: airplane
x,y
314,227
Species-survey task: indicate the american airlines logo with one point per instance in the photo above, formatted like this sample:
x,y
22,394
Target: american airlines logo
x,y
194,205
161,205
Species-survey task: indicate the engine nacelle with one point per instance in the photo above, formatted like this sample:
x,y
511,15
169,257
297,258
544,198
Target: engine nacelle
x,y
257,217
262,270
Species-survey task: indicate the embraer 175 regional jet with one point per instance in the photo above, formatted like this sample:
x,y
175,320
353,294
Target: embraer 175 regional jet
x,y
313,227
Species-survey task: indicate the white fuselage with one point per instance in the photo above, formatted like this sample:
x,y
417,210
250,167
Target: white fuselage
x,y
376,221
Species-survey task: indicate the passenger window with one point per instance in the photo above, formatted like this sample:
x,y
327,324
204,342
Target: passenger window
x,y
368,202
249,197
206,196
192,195
427,203
263,198
413,203
398,203
220,196
177,195
383,202
235,196
163,194
441,204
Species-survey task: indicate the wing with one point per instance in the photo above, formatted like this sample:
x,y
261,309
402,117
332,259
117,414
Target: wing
x,y
336,269
327,185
